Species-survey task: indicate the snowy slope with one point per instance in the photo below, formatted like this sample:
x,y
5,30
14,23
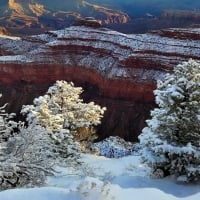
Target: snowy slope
x,y
102,178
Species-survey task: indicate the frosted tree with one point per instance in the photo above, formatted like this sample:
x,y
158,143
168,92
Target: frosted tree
x,y
26,158
171,140
62,112
26,154
7,125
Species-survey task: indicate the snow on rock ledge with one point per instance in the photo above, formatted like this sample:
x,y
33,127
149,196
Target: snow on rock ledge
x,y
118,71
106,58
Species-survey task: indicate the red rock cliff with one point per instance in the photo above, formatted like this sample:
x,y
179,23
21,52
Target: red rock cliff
x,y
116,70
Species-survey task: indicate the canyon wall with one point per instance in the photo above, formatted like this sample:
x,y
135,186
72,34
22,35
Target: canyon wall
x,y
116,70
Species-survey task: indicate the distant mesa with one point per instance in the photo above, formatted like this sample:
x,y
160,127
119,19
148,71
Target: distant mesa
x,y
30,17
88,22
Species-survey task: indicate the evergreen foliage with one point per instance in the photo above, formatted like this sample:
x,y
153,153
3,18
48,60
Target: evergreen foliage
x,y
171,140
62,112
29,154
26,158
26,155
62,108
7,125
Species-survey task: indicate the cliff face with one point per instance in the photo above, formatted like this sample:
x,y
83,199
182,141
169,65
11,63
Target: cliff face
x,y
32,16
28,17
116,70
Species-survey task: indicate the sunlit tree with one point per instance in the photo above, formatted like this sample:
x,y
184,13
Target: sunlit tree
x,y
62,112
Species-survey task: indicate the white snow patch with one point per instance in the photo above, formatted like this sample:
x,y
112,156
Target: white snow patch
x,y
102,178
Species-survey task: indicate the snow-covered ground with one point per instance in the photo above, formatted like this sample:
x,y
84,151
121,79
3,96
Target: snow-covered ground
x,y
101,178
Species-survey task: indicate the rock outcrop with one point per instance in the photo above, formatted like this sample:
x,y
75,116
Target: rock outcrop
x,y
88,22
116,70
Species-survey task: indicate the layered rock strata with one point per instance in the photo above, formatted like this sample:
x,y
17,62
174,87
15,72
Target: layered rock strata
x,y
36,16
118,71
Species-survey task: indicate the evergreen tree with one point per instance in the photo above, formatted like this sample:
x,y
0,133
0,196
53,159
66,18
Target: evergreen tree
x,y
26,154
171,140
7,125
26,158
62,112
29,154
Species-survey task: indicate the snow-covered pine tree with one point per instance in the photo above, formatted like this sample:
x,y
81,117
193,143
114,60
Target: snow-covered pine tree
x,y
64,115
171,140
26,158
26,154
7,125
